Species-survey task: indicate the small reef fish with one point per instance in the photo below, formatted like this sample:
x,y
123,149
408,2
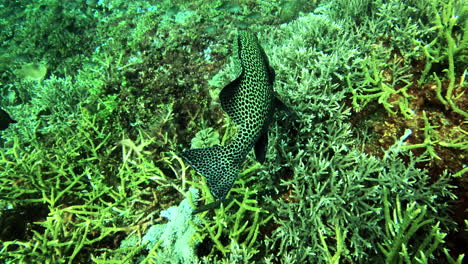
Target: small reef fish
x,y
5,120
251,103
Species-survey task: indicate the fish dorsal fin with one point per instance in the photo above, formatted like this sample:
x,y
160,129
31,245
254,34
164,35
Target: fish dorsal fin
x,y
280,106
271,75
227,96
261,147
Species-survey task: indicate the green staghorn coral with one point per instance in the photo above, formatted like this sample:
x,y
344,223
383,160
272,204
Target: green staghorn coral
x,y
89,162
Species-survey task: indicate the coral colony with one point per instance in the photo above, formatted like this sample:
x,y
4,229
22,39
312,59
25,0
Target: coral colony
x,y
127,129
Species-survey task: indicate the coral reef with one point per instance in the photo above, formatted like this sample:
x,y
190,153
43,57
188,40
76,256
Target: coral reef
x,y
371,168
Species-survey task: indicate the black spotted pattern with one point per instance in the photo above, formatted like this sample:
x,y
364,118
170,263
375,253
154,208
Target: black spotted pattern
x,y
248,100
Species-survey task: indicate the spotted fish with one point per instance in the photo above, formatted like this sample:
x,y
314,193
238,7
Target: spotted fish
x,y
250,102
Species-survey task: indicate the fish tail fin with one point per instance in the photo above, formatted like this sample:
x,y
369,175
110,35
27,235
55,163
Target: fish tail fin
x,y
213,163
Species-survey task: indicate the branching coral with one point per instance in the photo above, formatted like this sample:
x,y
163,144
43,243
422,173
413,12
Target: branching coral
x,y
93,145
390,91
445,47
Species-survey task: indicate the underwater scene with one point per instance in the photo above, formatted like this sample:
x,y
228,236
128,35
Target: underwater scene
x,y
233,131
